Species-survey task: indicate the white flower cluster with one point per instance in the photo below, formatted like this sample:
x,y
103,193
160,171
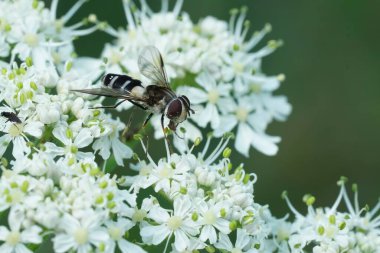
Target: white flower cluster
x,y
75,209
219,63
57,123
210,201
28,29
58,151
356,230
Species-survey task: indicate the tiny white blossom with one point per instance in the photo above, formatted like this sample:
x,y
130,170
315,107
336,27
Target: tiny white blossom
x,y
80,235
241,245
15,239
178,224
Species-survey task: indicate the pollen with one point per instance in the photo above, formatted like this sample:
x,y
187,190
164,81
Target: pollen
x,y
209,217
213,96
13,238
31,39
115,57
115,233
174,222
166,172
15,130
81,236
236,250
241,114
238,67
255,87
139,215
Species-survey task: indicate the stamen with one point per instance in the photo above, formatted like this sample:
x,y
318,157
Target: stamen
x,y
165,6
147,154
54,44
291,207
264,52
196,143
178,7
75,26
231,24
128,13
72,11
254,180
111,31
211,159
311,210
206,146
145,7
257,37
167,242
377,224
53,9
239,24
356,198
84,31
346,198
167,150
375,209
215,150
245,31
338,200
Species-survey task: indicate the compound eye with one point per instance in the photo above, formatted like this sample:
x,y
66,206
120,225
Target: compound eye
x,y
174,109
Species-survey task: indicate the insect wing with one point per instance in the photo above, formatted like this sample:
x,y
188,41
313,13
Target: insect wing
x,y
152,66
107,92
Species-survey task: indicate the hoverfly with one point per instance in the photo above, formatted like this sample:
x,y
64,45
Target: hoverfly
x,y
156,98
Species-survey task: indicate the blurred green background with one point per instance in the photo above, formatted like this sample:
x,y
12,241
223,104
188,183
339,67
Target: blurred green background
x,y
331,59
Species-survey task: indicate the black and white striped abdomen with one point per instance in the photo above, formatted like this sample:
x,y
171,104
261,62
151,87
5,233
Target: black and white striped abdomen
x,y
121,82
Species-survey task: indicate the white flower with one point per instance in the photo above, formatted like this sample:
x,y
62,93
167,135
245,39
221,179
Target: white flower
x,y
212,94
16,238
244,116
111,141
330,230
164,173
80,235
35,30
178,224
211,221
71,143
16,133
242,243
116,231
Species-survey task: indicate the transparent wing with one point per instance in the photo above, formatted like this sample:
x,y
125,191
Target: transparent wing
x,y
152,66
107,92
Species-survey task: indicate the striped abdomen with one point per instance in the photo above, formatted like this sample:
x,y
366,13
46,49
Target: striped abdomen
x,y
121,82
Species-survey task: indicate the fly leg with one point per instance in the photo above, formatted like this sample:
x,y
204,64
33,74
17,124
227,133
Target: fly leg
x,y
166,137
127,132
147,120
109,106
136,130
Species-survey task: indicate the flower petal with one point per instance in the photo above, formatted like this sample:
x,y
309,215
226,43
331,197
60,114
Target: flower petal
x,y
128,247
84,138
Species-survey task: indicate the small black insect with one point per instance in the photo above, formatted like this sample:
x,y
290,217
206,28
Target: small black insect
x,y
12,117
156,98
